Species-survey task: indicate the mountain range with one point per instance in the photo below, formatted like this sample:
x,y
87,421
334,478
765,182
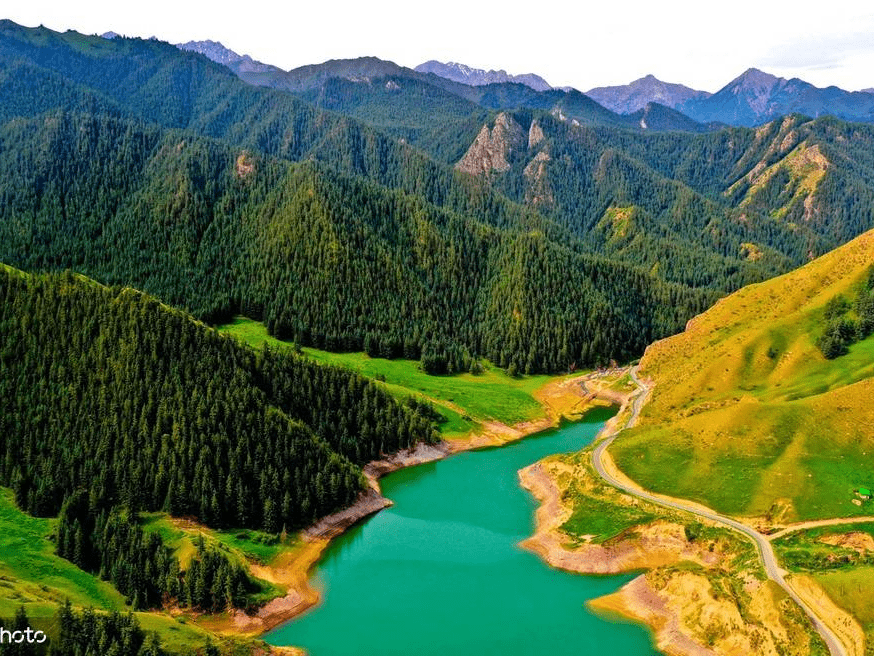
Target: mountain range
x,y
687,215
751,99
756,97
479,77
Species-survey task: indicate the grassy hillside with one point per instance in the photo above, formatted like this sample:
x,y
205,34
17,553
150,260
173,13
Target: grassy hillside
x,y
462,400
34,576
747,416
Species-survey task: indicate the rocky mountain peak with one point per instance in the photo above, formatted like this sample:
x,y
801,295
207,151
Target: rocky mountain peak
x,y
225,56
458,72
753,77
492,149
629,98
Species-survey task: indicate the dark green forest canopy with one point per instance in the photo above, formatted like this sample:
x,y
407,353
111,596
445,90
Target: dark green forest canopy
x,y
324,258
114,403
109,391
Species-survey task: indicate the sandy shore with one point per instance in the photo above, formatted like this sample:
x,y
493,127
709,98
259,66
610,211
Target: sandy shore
x,y
687,610
655,544
638,601
291,569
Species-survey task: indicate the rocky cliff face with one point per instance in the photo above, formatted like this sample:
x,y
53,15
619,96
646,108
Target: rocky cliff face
x,y
535,135
492,149
539,191
506,144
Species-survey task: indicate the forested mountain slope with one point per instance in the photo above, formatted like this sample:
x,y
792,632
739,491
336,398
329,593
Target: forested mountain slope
x,y
159,169
326,259
115,404
159,84
721,209
217,431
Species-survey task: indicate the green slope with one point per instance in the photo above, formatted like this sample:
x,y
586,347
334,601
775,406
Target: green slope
x,y
324,258
464,400
747,416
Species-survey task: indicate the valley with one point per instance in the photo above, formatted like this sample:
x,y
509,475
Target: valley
x,y
271,338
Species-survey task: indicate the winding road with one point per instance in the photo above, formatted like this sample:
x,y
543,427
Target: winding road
x,y
763,544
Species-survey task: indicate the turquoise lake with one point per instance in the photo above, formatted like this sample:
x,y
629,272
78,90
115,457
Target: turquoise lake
x,y
441,573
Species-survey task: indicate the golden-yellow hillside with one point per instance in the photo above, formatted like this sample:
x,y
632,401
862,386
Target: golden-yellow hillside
x,y
747,416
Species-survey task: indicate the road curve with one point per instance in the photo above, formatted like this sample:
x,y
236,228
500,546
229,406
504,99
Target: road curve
x,y
766,551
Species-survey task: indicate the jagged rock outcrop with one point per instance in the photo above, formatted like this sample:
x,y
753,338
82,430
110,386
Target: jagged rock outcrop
x,y
539,192
492,149
535,135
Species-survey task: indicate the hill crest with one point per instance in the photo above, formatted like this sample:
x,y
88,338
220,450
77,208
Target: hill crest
x,y
479,77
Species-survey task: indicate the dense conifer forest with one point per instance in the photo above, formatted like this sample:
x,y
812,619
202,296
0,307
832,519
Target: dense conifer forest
x,y
323,258
115,404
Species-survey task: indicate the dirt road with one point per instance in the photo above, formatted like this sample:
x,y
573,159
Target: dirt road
x,y
762,542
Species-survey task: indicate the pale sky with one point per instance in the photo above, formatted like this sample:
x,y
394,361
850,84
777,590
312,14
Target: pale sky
x,y
568,43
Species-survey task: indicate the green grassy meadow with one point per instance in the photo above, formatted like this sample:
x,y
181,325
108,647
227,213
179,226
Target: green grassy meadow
x,y
747,416
602,519
246,544
29,556
852,590
33,576
463,400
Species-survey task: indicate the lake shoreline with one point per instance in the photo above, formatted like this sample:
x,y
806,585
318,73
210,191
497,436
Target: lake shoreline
x,y
565,398
635,601
659,608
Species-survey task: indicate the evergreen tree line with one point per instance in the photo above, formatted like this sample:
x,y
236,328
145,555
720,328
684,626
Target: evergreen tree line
x,y
112,544
86,633
848,322
108,391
